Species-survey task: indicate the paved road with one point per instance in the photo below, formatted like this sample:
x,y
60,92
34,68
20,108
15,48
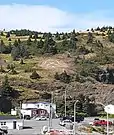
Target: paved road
x,y
34,127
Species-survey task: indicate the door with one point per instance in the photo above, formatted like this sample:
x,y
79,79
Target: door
x,y
14,124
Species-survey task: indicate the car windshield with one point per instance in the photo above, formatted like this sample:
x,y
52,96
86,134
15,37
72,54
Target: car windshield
x,y
42,116
67,121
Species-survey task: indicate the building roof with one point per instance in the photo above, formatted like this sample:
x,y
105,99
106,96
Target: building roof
x,y
29,108
8,117
36,103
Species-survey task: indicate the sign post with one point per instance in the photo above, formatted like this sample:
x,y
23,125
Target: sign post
x,y
109,109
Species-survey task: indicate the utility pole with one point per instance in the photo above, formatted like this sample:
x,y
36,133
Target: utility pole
x,y
65,103
107,124
50,113
75,116
52,99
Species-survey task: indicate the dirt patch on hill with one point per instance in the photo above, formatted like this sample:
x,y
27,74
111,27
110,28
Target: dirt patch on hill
x,y
59,63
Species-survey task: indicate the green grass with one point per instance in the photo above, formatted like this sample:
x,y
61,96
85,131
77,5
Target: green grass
x,y
27,93
14,37
25,70
6,57
110,116
47,74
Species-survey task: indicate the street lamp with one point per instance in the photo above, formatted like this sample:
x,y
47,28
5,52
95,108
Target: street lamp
x,y
107,125
65,103
75,116
50,111
50,116
65,98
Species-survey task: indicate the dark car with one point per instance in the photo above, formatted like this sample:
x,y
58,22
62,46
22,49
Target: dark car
x,y
96,119
3,131
78,118
27,117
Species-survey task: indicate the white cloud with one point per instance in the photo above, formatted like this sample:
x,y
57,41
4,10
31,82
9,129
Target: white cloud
x,y
46,18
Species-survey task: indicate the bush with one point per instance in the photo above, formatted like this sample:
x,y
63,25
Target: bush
x,y
35,75
83,50
2,69
13,72
9,39
8,66
11,68
82,114
56,76
63,77
5,114
22,62
79,78
46,95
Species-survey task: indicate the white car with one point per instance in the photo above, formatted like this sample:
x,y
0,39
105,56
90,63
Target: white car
x,y
41,118
64,122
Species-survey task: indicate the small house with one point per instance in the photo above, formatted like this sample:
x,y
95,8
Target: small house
x,y
9,122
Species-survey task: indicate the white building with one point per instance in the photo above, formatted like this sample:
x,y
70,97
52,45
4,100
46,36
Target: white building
x,y
39,105
29,108
11,124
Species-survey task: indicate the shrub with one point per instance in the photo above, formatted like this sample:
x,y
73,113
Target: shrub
x,y
35,75
83,50
9,39
11,68
56,76
13,72
2,69
90,37
8,66
46,95
63,77
22,62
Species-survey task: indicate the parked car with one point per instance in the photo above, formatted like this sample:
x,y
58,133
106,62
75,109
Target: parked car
x,y
101,122
78,118
92,122
27,117
64,122
41,118
3,131
96,119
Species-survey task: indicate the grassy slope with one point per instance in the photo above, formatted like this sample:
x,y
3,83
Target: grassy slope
x,y
47,74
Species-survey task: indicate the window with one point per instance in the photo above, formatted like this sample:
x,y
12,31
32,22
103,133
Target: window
x,y
42,112
3,123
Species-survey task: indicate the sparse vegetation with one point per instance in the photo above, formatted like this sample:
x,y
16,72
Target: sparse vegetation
x,y
48,62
